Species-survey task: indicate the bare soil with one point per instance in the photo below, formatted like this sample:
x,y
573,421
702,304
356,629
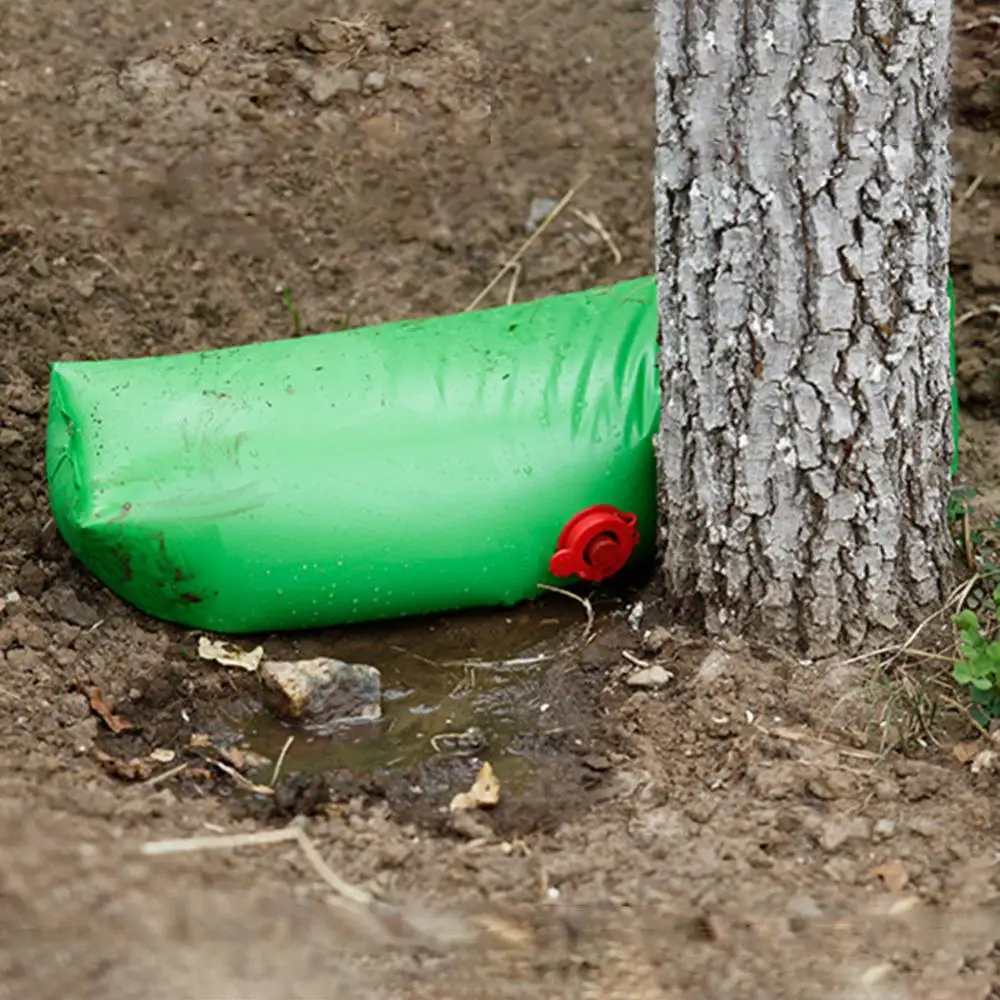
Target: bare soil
x,y
759,827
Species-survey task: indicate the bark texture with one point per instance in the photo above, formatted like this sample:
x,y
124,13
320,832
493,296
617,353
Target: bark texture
x,y
803,220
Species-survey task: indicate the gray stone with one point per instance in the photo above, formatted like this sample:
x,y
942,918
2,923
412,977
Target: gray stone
x,y
323,85
884,829
322,693
655,640
374,82
838,830
412,78
713,668
540,208
650,677
64,604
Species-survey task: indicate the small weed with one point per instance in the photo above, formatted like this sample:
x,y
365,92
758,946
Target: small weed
x,y
293,310
978,663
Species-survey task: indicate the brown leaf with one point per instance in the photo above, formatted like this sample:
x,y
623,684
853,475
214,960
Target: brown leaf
x,y
893,875
485,791
967,751
104,711
127,770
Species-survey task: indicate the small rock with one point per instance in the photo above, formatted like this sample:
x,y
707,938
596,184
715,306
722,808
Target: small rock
x,y
713,668
321,693
540,208
835,785
597,762
415,79
655,640
64,604
374,82
804,907
884,829
31,579
634,617
923,826
191,61
650,677
839,830
323,85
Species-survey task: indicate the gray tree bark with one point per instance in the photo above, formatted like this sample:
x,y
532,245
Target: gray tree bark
x,y
803,214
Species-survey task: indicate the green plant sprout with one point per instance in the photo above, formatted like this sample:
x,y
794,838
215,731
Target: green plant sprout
x,y
978,665
292,309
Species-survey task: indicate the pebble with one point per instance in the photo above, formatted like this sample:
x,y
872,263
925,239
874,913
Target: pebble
x,y
64,604
322,693
650,677
374,82
884,829
415,79
839,830
713,668
655,640
539,209
323,85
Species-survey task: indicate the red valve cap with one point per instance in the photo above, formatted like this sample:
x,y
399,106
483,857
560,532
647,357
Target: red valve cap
x,y
595,544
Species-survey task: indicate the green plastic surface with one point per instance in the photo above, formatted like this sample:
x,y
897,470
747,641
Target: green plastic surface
x,y
406,468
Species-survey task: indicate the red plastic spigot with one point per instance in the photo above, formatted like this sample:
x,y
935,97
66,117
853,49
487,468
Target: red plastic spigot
x,y
595,543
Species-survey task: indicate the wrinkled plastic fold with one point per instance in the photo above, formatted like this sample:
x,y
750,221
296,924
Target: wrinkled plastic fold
x,y
412,467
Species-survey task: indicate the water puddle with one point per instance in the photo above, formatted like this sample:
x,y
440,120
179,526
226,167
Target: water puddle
x,y
466,684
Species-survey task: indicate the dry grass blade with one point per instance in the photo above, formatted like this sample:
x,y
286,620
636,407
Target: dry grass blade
x,y
526,245
971,189
281,760
583,601
242,780
228,842
953,603
990,310
515,275
591,220
156,779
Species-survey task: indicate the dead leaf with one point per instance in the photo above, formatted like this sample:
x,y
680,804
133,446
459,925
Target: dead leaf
x,y
234,756
485,791
893,875
230,656
966,751
127,770
100,708
162,755
200,741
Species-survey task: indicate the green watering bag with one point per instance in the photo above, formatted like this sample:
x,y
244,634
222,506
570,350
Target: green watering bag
x,y
411,467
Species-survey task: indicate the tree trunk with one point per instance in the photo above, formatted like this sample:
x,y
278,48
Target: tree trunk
x,y
802,234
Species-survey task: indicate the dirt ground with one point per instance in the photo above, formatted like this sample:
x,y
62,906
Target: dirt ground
x,y
751,830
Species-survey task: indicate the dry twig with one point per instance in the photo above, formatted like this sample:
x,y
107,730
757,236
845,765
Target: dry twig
x,y
281,760
526,245
228,842
591,220
583,601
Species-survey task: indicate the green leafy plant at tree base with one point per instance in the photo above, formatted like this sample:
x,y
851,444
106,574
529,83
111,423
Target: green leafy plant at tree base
x,y
978,665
